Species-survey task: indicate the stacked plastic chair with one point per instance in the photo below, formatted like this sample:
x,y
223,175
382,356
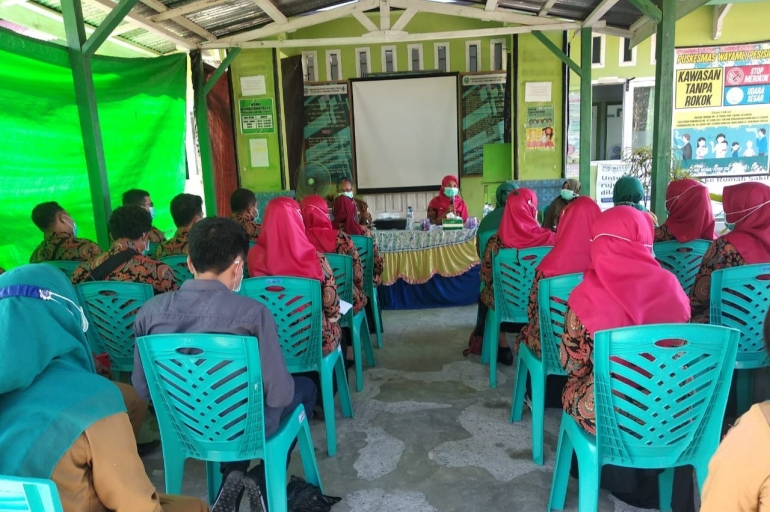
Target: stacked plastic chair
x,y
513,271
365,247
553,293
740,297
208,395
179,268
297,309
660,396
682,260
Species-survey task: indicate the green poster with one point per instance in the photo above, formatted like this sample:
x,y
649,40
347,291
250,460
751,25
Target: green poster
x,y
257,116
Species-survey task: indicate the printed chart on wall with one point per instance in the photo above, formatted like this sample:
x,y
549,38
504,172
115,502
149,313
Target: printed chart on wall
x,y
483,117
257,116
722,112
327,128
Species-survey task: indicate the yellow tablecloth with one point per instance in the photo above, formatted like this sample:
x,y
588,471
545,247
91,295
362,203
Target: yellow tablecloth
x,y
416,256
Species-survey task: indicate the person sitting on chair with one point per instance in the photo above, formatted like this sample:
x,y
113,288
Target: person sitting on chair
x,y
60,242
218,248
629,191
447,203
689,213
570,189
243,204
186,210
344,213
142,198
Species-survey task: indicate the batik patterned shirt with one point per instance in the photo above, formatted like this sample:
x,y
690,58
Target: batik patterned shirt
x,y
247,222
64,247
174,246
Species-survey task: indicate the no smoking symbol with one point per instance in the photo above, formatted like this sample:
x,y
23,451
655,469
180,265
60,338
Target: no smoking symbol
x,y
735,76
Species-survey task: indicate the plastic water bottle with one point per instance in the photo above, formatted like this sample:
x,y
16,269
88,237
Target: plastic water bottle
x,y
409,217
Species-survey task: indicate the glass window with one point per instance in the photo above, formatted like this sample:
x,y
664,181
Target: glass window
x,y
415,59
642,116
389,61
442,59
596,50
498,57
628,53
310,67
363,64
334,67
473,57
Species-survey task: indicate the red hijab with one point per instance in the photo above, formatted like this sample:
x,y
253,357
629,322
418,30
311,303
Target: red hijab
x,y
571,252
344,212
441,202
318,227
746,205
689,211
519,228
624,285
283,248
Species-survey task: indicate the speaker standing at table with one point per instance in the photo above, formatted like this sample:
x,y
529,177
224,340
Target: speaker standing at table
x,y
448,201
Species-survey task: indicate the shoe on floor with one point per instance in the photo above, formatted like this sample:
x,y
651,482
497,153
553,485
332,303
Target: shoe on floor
x,y
504,356
255,487
229,496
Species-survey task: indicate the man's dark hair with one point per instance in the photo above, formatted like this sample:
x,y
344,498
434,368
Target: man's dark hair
x,y
44,214
242,199
130,222
341,182
184,208
135,196
214,244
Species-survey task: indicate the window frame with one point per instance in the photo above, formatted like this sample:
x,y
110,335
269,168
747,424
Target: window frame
x,y
602,50
436,47
338,54
479,61
383,52
492,45
622,53
305,55
410,60
368,52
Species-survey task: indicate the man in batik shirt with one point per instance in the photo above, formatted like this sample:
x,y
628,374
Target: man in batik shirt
x,y
60,242
186,210
243,204
142,198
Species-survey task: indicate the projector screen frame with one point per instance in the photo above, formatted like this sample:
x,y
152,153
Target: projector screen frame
x,y
411,75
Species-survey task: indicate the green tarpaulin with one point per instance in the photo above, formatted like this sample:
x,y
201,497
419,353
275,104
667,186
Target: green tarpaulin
x,y
142,114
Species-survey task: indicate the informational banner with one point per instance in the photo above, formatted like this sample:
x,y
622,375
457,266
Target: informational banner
x,y
607,173
483,117
257,116
722,112
327,129
573,136
540,124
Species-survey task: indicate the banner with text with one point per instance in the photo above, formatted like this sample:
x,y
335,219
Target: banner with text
x,y
607,173
327,128
483,117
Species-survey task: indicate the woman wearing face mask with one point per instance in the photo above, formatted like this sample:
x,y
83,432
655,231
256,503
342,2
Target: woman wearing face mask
x,y
344,213
748,216
58,418
283,249
629,191
689,213
447,203
569,191
616,292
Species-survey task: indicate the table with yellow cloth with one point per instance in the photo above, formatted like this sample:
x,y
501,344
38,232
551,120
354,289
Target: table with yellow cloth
x,y
428,269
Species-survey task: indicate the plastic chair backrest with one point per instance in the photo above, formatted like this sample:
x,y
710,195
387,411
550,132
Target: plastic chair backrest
x,y
552,295
179,268
111,307
484,237
28,495
682,260
660,393
740,297
153,248
342,267
295,303
365,247
513,271
66,266
208,395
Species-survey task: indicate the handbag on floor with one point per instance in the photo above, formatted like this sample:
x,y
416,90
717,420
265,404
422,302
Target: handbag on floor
x,y
306,497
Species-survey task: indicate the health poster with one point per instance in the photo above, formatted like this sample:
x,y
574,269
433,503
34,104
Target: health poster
x,y
327,128
483,117
722,112
539,125
257,116
607,173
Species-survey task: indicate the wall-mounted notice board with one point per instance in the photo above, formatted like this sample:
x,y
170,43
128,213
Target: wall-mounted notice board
x,y
327,128
483,117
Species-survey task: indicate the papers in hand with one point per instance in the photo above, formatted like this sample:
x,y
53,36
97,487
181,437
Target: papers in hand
x,y
345,307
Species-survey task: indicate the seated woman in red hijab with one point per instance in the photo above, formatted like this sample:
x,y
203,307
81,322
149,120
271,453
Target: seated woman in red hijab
x,y
747,214
616,291
284,250
448,201
344,213
689,213
519,229
326,239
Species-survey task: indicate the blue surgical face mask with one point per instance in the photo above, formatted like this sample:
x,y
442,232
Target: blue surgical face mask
x,y
74,227
152,212
730,225
348,194
451,191
256,215
567,194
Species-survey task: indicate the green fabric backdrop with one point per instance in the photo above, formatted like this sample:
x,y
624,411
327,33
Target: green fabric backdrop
x,y
142,114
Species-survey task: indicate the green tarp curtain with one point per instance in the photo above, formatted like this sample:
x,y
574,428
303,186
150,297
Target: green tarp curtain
x,y
142,114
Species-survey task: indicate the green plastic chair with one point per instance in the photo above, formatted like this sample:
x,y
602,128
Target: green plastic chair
x,y
111,307
740,297
513,271
296,307
179,268
208,395
365,246
660,395
153,248
552,295
28,495
66,266
483,239
682,260
342,266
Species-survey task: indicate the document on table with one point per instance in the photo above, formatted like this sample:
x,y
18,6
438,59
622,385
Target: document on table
x,y
345,307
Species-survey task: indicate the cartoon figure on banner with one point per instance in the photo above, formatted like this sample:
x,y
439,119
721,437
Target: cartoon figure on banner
x,y
701,151
720,148
736,149
686,148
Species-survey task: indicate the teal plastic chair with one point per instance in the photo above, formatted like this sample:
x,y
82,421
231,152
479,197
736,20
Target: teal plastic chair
x,y
28,495
365,246
740,297
483,239
552,295
296,307
682,260
208,396
513,271
179,268
342,266
660,395
111,307
66,266
153,248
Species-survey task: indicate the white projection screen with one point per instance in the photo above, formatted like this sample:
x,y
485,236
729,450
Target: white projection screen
x,y
405,132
